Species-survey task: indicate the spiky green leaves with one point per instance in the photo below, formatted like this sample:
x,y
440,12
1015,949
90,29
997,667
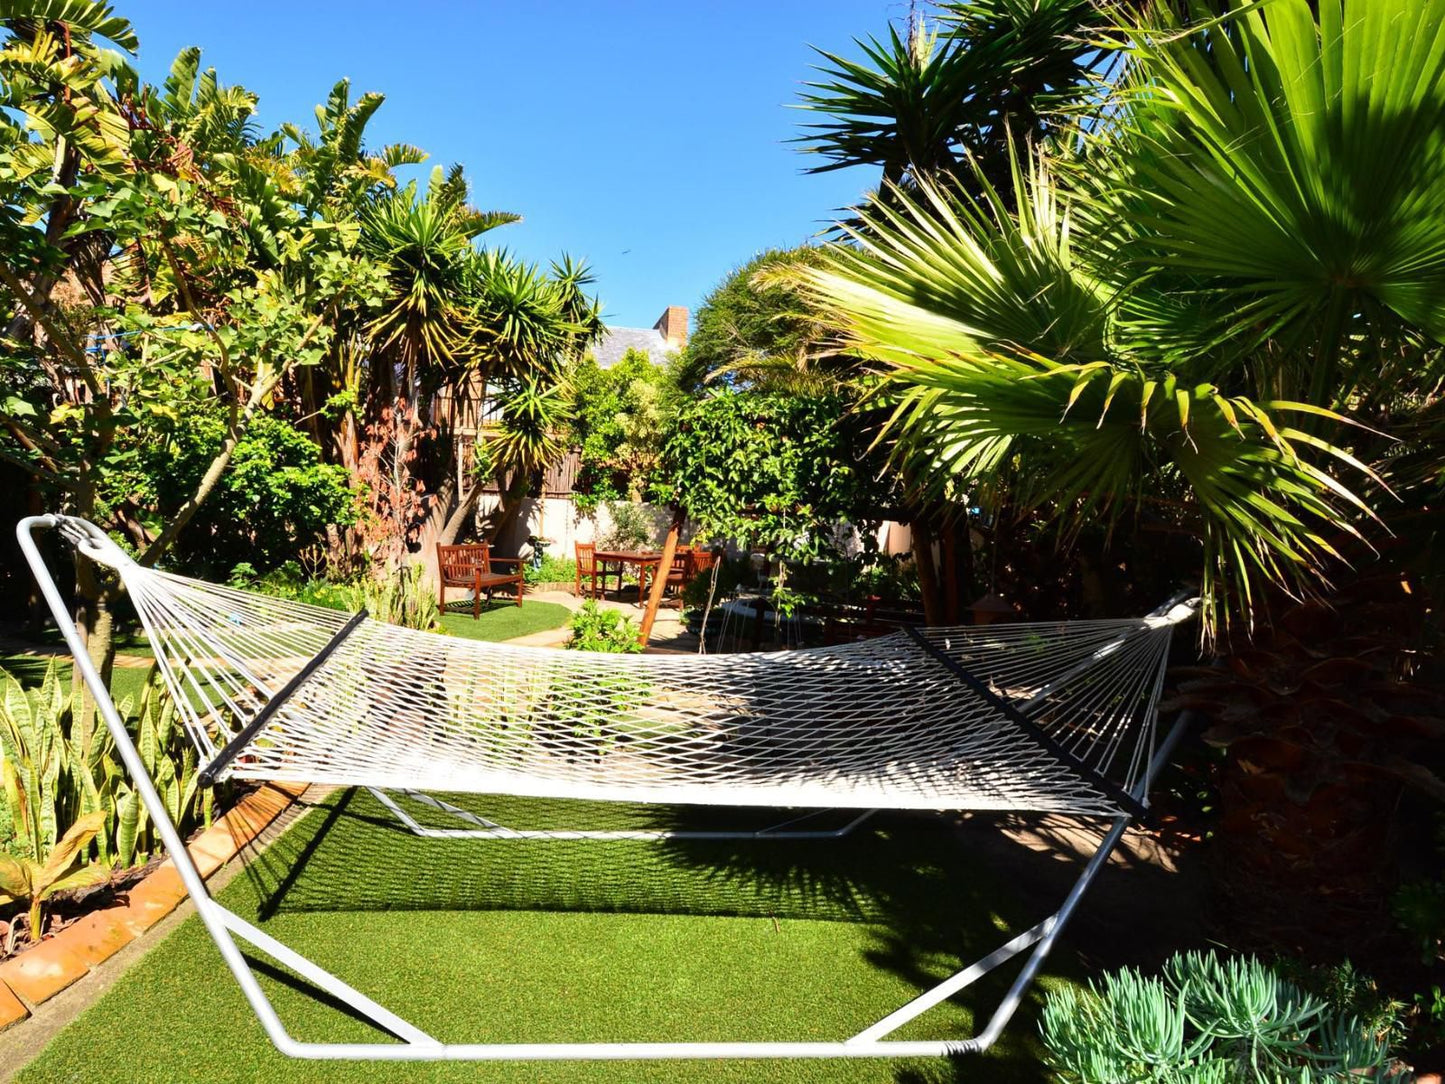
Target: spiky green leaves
x,y
1004,364
1247,243
1294,165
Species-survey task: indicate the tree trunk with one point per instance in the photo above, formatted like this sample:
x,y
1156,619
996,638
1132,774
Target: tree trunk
x,y
951,589
922,543
458,519
446,520
95,623
511,495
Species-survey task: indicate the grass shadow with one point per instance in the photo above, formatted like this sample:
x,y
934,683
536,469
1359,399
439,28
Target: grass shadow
x,y
929,906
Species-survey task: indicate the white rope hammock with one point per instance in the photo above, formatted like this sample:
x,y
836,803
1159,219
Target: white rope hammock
x,y
1048,716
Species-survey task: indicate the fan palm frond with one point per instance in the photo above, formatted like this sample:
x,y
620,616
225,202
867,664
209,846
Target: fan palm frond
x,y
1001,361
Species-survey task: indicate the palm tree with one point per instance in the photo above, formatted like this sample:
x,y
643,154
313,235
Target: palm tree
x,y
1169,327
528,326
924,102
1246,245
422,332
529,437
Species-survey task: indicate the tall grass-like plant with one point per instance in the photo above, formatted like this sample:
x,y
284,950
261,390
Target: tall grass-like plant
x,y
73,812
1207,1019
403,597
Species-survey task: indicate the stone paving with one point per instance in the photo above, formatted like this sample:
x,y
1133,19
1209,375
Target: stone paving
x,y
668,631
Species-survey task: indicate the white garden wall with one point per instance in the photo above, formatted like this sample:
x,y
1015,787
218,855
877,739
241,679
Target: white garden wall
x,y
557,519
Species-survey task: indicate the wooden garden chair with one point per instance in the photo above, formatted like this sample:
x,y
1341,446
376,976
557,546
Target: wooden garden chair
x,y
472,567
682,571
587,566
702,561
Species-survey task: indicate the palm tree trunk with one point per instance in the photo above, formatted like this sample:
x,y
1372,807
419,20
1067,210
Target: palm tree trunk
x,y
922,543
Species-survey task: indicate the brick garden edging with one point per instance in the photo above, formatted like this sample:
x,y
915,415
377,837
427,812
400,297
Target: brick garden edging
x,y
40,973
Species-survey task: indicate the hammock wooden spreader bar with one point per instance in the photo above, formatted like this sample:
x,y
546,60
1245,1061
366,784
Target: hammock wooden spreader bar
x,y
1053,717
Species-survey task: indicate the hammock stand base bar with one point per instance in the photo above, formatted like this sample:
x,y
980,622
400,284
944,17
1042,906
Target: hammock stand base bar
x,y
486,829
413,1044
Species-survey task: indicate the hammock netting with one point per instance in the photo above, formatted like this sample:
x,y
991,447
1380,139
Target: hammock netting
x,y
1049,716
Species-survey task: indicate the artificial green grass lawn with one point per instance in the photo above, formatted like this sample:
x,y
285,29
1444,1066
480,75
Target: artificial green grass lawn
x,y
499,621
29,670
510,941
505,620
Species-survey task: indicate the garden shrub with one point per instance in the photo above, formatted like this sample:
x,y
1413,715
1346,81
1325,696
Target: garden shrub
x,y
552,570
276,498
619,422
596,629
632,527
402,596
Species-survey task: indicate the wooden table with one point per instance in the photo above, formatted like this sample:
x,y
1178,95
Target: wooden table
x,y
645,560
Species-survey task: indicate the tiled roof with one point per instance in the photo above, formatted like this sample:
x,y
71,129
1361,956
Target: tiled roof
x,y
619,340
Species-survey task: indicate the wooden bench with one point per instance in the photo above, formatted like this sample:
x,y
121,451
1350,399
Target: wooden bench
x,y
472,567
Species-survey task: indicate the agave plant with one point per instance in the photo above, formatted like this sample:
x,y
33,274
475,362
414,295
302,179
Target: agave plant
x,y
1210,1020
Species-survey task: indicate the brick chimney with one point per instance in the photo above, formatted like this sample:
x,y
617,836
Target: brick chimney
x,y
673,326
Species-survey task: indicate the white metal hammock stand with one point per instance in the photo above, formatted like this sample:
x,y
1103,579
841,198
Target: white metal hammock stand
x,y
1055,717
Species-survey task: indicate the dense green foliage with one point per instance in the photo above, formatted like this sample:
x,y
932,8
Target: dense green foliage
x,y
596,629
1231,1021
752,330
277,498
771,470
553,570
953,98
632,527
70,811
177,284
620,417
403,596
1161,316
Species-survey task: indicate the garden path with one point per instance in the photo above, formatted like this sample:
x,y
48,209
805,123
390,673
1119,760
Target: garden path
x,y
669,633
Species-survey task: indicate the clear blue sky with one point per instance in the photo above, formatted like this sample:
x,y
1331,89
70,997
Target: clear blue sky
x,y
649,138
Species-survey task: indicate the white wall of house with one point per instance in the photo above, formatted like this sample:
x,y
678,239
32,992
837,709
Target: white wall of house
x,y
557,519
